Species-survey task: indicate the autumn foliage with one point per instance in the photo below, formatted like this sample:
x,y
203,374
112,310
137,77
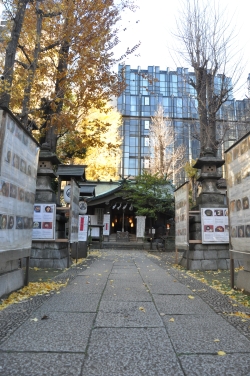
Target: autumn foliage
x,y
59,64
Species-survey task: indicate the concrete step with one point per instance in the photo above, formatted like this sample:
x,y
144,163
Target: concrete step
x,y
125,245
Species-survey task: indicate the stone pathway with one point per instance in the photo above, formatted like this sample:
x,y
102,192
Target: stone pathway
x,y
124,315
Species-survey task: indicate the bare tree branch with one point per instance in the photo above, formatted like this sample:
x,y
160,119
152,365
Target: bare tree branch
x,y
207,41
166,158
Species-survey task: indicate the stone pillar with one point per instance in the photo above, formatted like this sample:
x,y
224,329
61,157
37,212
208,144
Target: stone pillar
x,y
243,278
140,227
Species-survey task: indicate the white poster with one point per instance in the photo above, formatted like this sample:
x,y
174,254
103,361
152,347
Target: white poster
x,y
44,221
214,222
18,170
83,228
182,216
238,192
106,224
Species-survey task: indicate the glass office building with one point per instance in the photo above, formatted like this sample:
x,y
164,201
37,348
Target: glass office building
x,y
145,91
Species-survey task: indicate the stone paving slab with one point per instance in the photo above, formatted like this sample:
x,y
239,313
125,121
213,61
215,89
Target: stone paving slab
x,y
131,352
128,279
126,295
65,332
127,314
169,289
86,285
158,280
72,302
196,334
124,275
181,305
98,277
125,272
40,364
125,284
214,365
123,267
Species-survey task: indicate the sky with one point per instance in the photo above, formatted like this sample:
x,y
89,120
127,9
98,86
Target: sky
x,y
154,23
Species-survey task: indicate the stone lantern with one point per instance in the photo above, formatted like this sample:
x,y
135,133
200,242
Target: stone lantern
x,y
206,256
209,175
45,174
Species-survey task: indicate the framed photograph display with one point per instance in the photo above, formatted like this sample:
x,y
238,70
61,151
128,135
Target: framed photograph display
x,y
238,192
19,154
44,221
214,225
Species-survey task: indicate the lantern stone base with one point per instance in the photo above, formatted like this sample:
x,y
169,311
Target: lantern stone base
x,y
207,257
49,255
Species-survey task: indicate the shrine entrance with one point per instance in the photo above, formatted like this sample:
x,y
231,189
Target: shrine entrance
x,y
123,218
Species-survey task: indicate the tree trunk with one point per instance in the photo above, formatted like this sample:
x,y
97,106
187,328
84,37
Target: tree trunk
x,y
51,133
202,107
11,52
32,68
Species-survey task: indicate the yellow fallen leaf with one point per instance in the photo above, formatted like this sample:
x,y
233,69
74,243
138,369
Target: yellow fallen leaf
x,y
190,296
221,353
171,320
240,314
142,309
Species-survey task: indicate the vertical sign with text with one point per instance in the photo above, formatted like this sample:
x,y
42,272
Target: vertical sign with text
x,y
83,228
74,212
181,196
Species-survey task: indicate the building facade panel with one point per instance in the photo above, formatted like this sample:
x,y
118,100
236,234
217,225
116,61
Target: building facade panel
x,y
146,90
